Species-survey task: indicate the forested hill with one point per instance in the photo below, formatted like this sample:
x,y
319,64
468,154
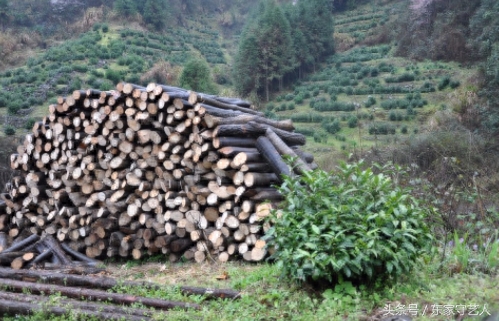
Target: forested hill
x,y
259,48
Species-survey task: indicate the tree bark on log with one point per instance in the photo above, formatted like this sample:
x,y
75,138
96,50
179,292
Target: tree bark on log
x,y
78,293
272,156
11,307
106,282
299,165
121,312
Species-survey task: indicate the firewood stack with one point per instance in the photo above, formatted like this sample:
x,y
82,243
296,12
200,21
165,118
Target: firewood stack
x,y
156,169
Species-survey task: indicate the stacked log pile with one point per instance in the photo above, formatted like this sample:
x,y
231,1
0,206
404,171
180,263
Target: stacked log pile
x,y
156,169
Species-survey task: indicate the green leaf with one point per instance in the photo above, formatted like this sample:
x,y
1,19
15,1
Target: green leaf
x,y
311,246
389,267
316,229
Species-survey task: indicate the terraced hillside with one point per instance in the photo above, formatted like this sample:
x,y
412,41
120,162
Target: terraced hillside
x,y
365,97
99,59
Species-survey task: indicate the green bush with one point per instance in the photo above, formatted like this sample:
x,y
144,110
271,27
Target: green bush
x,y
351,224
352,121
454,84
332,126
113,75
370,101
443,83
9,130
298,99
320,136
381,129
30,123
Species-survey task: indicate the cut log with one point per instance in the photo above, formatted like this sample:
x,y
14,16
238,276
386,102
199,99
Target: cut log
x,y
299,165
70,292
79,307
269,152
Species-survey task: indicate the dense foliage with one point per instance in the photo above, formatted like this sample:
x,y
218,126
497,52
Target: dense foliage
x,y
464,31
484,25
352,224
196,75
278,44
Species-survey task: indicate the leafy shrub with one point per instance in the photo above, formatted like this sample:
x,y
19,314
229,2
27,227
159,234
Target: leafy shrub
x,y
370,101
332,126
381,129
333,106
307,117
9,130
352,121
113,75
30,123
454,84
306,131
443,83
401,78
289,97
320,136
351,224
395,116
298,99
403,130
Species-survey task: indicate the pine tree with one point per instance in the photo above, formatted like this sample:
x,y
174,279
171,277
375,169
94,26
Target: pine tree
x,y
484,26
155,13
265,51
316,23
4,10
125,8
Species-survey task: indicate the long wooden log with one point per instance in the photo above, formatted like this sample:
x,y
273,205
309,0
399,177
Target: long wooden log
x,y
212,121
220,142
253,129
291,138
3,241
194,97
270,153
80,306
24,308
93,295
299,165
54,246
106,282
219,104
79,256
218,112
22,244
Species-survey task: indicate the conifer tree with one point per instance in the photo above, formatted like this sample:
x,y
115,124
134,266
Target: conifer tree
x,y
316,23
125,8
155,13
265,52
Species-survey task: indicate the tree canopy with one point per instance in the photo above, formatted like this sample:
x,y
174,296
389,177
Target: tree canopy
x,y
278,43
196,75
